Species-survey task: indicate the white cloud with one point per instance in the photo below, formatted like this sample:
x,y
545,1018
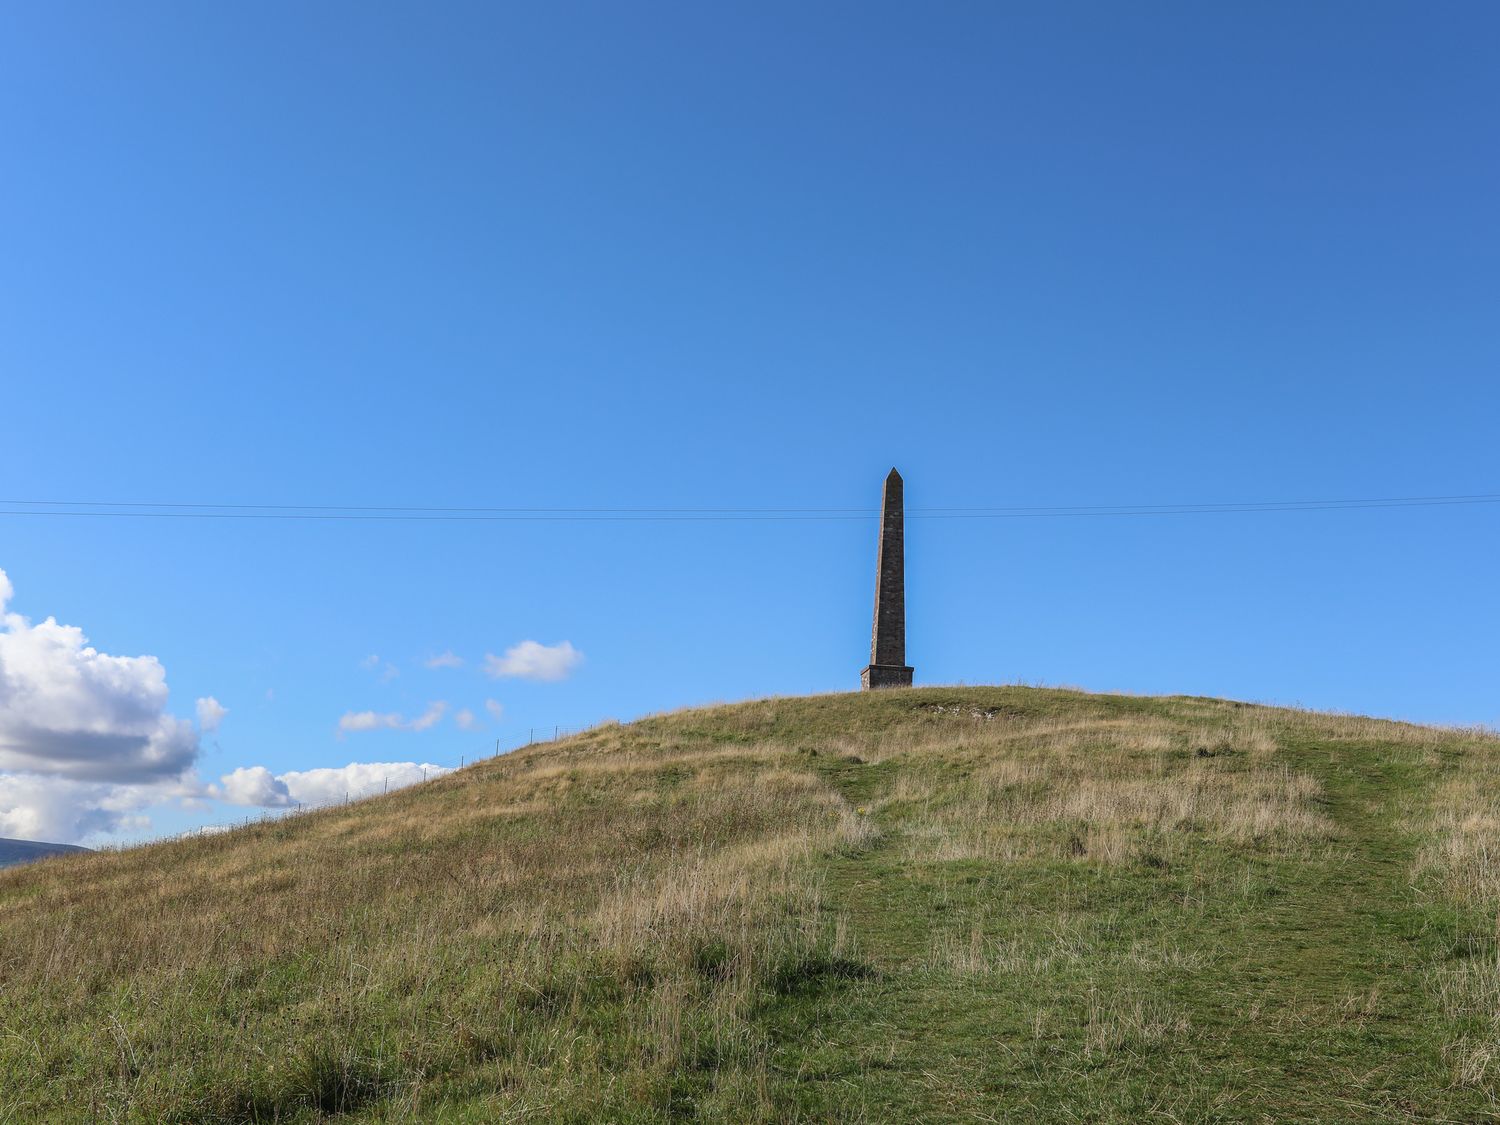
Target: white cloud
x,y
63,811
68,710
468,720
370,720
205,830
430,717
86,742
530,660
446,660
386,669
256,786
210,714
392,720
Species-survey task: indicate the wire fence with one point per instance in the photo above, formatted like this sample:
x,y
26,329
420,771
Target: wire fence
x,y
175,510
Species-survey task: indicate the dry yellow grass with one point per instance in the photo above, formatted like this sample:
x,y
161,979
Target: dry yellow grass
x,y
1460,862
1111,791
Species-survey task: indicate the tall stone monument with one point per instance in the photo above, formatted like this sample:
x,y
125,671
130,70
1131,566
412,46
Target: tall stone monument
x,y
888,667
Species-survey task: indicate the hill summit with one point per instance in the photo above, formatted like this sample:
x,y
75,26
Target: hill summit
x,y
919,904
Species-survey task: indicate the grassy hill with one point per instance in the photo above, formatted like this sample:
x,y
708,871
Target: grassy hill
x,y
975,904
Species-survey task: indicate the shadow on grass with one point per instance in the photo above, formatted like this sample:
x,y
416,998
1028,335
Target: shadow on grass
x,y
806,976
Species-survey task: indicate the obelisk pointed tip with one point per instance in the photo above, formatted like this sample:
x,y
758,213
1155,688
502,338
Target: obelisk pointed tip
x,y
893,474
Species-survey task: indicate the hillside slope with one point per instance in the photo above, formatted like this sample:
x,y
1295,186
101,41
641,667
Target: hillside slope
x,y
13,852
936,904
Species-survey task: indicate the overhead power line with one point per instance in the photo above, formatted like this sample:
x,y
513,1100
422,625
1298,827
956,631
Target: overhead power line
x,y
118,509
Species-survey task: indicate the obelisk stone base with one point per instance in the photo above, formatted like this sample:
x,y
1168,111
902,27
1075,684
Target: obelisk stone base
x,y
884,676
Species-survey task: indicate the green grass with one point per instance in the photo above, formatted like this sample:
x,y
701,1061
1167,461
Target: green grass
x,y
975,904
1283,988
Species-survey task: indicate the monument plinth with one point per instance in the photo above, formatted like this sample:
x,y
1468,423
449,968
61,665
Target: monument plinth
x,y
888,667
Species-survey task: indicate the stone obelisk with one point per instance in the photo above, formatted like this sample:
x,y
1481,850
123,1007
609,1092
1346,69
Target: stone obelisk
x,y
888,667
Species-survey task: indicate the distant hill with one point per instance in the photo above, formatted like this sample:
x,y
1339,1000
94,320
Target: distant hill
x,y
929,904
13,852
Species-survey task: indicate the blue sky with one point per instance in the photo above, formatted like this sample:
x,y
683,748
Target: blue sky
x,y
748,256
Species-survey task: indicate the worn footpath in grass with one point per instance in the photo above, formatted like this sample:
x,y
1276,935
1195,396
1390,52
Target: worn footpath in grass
x,y
1002,904
1241,980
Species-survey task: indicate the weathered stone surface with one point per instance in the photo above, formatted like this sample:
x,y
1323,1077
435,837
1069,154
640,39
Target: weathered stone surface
x,y
884,676
887,666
